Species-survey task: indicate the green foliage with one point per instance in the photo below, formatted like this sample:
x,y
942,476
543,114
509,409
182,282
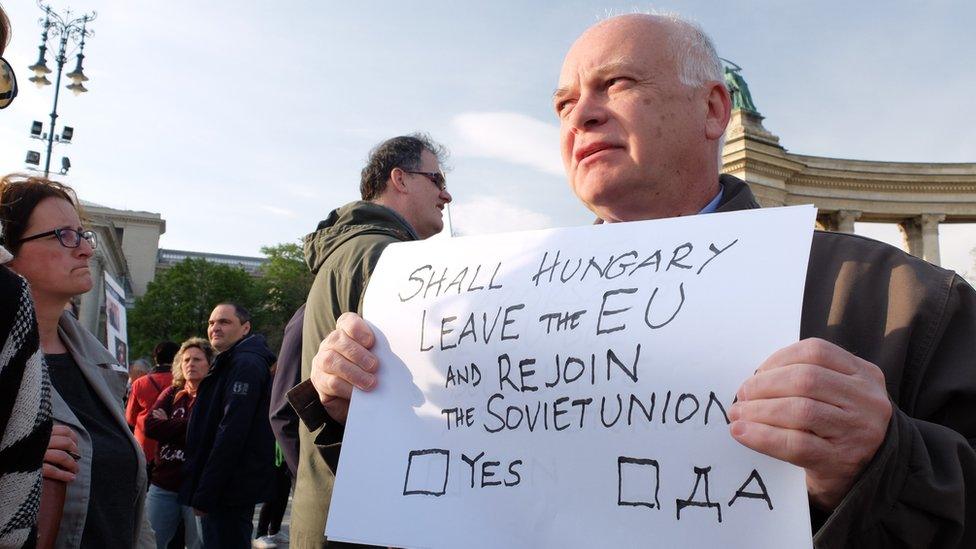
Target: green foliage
x,y
177,304
285,281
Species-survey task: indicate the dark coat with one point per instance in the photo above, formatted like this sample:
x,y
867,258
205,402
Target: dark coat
x,y
229,446
917,322
284,420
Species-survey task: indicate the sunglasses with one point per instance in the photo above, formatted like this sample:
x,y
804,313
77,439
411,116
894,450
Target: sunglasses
x,y
69,238
436,178
8,83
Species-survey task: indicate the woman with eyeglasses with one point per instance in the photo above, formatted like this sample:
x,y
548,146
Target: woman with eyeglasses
x,y
26,436
43,231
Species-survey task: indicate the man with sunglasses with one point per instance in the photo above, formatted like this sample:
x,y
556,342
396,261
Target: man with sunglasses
x,y
404,194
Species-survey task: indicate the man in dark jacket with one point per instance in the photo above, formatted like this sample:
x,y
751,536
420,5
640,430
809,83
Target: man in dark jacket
x,y
403,197
229,445
877,402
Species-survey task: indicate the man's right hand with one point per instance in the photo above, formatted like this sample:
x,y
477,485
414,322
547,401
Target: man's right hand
x,y
60,462
344,361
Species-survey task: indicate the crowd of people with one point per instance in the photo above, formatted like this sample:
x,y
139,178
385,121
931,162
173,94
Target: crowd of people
x,y
195,430
876,402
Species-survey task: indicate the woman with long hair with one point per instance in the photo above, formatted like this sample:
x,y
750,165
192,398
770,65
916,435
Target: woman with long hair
x,y
42,229
166,424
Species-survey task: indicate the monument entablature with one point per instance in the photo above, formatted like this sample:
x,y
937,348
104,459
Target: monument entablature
x,y
918,196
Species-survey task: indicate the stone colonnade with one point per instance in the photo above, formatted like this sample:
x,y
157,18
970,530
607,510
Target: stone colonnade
x,y
921,232
917,196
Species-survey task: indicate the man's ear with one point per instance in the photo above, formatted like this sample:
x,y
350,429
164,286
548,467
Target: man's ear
x,y
396,180
718,110
247,327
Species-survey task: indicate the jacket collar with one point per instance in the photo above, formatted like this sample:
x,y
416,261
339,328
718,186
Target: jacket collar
x,y
93,360
224,356
736,195
97,365
348,222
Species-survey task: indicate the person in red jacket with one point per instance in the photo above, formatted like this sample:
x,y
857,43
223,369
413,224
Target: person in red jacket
x,y
144,393
166,424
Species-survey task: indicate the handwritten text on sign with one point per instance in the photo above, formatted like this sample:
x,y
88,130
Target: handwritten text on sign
x,y
570,387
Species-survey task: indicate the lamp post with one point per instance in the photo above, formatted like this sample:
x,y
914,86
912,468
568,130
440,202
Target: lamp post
x,y
67,28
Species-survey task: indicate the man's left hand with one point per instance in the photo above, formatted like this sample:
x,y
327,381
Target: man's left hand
x,y
817,406
199,513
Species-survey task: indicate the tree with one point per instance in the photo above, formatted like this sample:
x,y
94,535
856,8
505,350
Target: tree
x,y
285,281
177,305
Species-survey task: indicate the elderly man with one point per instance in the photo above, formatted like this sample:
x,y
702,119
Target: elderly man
x,y
403,197
877,402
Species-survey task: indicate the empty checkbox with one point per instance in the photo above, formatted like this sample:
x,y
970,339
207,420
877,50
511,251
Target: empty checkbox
x,y
427,472
638,482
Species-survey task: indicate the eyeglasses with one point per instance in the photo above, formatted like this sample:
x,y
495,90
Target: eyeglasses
x,y
69,238
8,83
436,178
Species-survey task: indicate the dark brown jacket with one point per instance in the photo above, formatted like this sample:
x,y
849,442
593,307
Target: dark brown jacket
x,y
917,322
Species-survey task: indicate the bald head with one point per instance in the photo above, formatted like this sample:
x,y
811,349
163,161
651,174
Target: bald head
x,y
690,48
642,110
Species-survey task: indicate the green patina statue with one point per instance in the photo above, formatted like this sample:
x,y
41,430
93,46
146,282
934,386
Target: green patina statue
x,y
741,98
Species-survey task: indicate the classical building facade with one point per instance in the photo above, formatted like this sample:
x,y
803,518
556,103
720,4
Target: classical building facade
x,y
917,196
127,245
128,250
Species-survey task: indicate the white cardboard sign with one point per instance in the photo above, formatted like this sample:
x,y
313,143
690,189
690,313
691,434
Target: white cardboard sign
x,y
569,388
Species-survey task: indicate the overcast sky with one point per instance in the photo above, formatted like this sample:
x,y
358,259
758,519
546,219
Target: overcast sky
x,y
244,123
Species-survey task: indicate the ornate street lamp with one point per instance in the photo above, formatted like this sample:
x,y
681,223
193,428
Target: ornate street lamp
x,y
68,29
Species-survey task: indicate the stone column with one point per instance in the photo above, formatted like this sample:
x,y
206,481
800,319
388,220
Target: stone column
x,y
911,231
839,221
826,222
922,236
930,237
91,301
846,219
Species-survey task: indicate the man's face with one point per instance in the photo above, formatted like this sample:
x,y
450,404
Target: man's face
x,y
629,129
225,329
426,200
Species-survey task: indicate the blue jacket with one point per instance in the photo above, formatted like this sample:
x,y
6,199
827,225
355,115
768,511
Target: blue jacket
x,y
229,445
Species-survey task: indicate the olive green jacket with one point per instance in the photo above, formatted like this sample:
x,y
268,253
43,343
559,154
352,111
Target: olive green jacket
x,y
342,253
